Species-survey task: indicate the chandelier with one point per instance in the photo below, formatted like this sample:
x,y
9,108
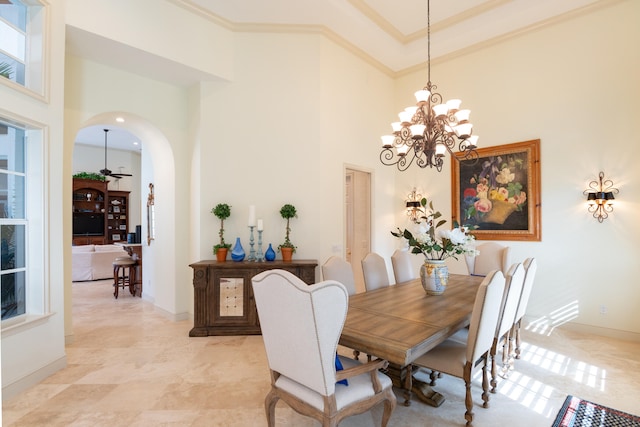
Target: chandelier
x,y
427,131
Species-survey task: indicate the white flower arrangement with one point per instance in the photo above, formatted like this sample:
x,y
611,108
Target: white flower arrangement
x,y
441,245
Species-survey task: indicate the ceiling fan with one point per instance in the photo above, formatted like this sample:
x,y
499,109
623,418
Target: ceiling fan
x,y
105,171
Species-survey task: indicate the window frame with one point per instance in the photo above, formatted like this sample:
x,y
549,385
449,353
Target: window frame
x,y
36,51
37,305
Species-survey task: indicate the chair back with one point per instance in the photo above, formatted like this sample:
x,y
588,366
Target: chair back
x,y
374,270
301,325
337,269
403,270
485,314
492,256
511,298
530,267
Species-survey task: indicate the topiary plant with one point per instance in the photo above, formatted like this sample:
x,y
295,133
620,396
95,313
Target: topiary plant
x,y
222,211
287,212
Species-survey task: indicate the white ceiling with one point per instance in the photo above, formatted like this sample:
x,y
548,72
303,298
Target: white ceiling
x,y
391,34
117,138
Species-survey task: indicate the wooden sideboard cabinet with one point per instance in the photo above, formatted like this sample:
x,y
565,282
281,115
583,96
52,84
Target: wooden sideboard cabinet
x,y
223,295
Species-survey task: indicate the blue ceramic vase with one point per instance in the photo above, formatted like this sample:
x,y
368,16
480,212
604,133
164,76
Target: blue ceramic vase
x,y
270,254
237,253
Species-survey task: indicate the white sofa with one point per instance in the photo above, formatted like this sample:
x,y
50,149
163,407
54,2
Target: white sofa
x,y
94,262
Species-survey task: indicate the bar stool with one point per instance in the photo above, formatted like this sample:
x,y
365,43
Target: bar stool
x,y
124,274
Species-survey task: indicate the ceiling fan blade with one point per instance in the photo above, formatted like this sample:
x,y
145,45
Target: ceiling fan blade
x,y
119,175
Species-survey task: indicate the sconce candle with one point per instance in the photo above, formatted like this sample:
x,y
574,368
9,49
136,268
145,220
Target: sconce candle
x,y
414,206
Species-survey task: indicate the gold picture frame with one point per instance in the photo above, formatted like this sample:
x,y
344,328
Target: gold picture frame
x,y
498,194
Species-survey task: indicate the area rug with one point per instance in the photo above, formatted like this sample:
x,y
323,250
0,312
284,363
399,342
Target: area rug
x,y
576,412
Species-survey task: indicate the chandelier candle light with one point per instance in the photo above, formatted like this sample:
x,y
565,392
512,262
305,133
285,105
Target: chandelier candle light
x,y
427,131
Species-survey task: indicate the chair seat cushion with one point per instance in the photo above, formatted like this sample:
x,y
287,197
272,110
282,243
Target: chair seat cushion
x,y
448,357
360,387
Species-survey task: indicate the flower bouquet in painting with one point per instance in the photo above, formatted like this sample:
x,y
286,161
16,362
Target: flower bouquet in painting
x,y
494,193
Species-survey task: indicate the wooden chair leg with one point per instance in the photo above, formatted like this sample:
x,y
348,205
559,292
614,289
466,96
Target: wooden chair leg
x,y
518,326
468,400
270,408
116,280
494,369
485,383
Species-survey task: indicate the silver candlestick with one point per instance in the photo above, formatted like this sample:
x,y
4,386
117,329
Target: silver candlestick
x,y
252,252
260,257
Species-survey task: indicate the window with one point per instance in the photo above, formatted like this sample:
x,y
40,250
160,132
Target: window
x,y
13,224
21,222
21,42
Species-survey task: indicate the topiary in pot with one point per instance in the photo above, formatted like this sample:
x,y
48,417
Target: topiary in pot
x,y
287,212
222,211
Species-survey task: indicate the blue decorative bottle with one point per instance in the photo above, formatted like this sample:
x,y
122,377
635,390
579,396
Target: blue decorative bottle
x,y
270,254
237,253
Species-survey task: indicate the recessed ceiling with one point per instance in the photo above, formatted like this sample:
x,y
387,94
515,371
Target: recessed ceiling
x,y
391,34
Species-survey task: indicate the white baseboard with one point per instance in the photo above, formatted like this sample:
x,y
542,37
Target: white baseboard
x,y
171,316
603,332
13,389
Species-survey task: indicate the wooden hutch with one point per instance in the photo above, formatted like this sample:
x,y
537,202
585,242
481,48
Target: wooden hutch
x,y
99,216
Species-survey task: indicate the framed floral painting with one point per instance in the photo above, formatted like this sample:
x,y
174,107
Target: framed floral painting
x,y
498,194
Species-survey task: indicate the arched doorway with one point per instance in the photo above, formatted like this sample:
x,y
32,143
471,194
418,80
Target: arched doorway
x,y
157,166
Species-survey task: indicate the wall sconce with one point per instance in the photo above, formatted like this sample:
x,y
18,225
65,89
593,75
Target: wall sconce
x,y
599,195
414,206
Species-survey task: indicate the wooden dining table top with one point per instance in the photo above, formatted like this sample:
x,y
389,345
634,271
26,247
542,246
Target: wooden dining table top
x,y
401,322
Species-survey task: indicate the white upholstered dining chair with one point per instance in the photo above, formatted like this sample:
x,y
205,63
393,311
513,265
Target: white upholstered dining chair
x,y
460,359
337,269
514,281
403,270
301,325
513,291
530,267
374,270
492,256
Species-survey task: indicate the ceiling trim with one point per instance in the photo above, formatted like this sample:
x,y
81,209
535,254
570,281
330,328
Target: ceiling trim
x,y
404,39
286,28
394,32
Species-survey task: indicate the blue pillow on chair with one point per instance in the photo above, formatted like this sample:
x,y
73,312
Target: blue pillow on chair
x,y
340,368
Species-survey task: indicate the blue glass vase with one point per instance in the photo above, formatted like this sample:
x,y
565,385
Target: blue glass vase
x,y
270,254
237,253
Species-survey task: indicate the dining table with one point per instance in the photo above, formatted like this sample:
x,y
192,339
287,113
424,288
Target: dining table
x,y
401,322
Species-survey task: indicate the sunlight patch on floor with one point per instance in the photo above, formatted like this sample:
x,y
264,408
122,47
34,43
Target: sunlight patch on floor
x,y
545,325
534,394
529,392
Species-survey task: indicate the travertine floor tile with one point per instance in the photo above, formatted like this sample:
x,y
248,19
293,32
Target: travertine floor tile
x,y
129,366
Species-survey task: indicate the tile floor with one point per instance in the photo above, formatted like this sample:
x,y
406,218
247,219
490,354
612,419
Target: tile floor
x,y
129,366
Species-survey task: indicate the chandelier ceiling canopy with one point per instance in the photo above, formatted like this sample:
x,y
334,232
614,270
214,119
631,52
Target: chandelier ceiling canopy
x,y
427,131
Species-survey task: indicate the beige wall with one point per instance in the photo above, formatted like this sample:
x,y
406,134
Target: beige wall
x,y
575,87
35,349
